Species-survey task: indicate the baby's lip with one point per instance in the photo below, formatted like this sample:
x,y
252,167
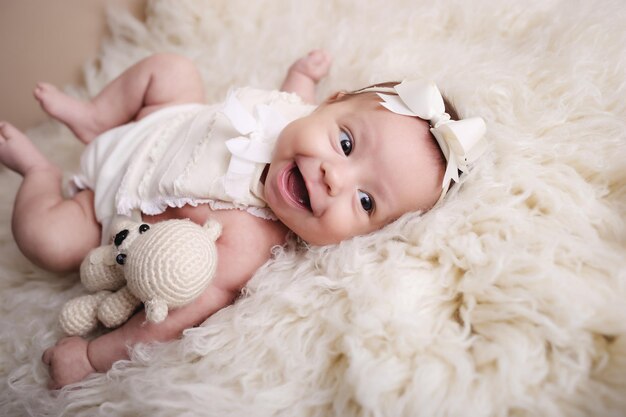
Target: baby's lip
x,y
294,188
312,184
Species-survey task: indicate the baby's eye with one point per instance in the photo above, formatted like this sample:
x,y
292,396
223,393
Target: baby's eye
x,y
367,202
346,142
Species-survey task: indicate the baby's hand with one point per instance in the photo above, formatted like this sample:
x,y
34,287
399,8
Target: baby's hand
x,y
67,362
314,65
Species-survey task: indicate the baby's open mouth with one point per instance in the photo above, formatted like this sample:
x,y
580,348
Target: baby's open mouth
x,y
296,188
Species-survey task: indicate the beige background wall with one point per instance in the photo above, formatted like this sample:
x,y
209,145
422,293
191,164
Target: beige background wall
x,y
43,40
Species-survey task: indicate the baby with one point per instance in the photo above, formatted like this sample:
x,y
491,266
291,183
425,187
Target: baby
x,y
263,163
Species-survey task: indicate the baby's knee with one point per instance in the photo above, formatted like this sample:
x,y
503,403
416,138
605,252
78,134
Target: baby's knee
x,y
174,65
175,79
50,248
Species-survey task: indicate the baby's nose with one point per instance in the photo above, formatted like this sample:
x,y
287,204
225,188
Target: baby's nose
x,y
334,177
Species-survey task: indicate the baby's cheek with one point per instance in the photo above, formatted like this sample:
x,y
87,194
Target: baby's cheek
x,y
336,229
287,136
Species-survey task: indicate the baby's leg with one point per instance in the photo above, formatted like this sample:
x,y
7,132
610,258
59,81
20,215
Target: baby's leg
x,y
52,232
154,82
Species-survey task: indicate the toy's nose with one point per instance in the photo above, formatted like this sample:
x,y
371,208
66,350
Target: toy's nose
x,y
119,238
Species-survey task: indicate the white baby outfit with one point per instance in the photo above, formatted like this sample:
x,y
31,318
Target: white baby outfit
x,y
188,154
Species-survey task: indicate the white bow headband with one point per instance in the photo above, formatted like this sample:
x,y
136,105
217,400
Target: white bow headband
x,y
461,141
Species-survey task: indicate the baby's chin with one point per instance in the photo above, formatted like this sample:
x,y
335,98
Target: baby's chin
x,y
319,236
315,236
321,241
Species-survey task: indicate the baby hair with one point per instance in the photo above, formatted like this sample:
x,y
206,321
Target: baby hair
x,y
449,107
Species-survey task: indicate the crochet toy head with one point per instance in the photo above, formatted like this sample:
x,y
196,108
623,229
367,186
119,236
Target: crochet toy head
x,y
164,265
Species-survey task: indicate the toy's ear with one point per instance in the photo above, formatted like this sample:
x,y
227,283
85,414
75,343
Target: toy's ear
x,y
214,228
121,223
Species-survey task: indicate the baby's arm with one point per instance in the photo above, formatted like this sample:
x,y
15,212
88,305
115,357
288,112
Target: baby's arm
x,y
103,351
305,73
245,245
73,358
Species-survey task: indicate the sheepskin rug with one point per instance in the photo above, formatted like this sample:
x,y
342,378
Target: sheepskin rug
x,y
510,300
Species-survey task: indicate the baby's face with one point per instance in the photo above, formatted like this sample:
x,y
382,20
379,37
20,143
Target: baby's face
x,y
350,168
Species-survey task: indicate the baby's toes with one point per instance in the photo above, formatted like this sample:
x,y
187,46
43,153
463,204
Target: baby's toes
x,y
41,90
7,130
2,134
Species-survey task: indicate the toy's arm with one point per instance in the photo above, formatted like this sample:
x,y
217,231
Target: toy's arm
x,y
305,73
74,358
111,347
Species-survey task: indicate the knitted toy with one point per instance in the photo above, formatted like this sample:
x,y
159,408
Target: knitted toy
x,y
164,265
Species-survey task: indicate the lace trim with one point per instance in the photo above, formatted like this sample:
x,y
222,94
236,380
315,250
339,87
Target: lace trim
x,y
154,207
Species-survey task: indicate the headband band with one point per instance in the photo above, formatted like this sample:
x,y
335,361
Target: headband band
x,y
461,141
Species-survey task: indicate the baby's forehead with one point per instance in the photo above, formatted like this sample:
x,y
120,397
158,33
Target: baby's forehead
x,y
404,157
391,126
372,122
370,104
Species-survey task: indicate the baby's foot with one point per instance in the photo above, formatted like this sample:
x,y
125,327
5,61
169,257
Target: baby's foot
x,y
314,65
18,153
76,114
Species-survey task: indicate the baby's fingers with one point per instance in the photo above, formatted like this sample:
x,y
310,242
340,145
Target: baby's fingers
x,y
314,65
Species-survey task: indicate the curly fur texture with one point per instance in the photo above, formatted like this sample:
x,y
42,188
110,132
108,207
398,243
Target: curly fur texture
x,y
508,300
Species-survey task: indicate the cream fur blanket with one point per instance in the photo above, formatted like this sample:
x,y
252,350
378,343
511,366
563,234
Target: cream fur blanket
x,y
509,300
